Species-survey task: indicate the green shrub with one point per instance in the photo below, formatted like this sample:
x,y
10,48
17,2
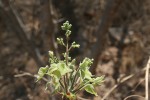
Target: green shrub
x,y
65,76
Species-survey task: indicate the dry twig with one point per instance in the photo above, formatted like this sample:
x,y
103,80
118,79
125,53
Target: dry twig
x,y
146,80
29,74
133,96
120,82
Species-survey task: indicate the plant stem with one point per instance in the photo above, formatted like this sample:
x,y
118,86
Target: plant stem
x,y
69,48
66,87
61,84
74,78
67,54
80,87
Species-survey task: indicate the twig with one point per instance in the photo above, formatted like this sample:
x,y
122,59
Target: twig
x,y
146,80
13,20
115,86
120,82
29,74
137,85
133,96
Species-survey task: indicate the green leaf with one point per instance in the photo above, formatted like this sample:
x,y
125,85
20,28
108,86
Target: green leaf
x,y
52,68
84,69
72,64
57,73
42,71
85,74
90,89
58,69
88,74
54,72
55,79
63,68
86,63
98,80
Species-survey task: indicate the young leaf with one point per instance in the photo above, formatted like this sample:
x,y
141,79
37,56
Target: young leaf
x,y
72,64
88,74
98,80
63,68
85,74
42,71
56,74
86,63
52,68
90,89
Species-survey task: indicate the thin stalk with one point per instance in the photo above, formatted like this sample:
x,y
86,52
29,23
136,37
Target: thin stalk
x,y
71,74
67,54
67,51
74,78
70,48
76,86
62,84
80,87
77,82
66,90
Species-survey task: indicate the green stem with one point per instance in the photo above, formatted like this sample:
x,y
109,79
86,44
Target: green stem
x,y
69,48
74,78
67,54
66,87
61,84
80,87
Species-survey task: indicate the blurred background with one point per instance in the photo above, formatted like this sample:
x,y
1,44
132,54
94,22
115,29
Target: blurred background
x,y
113,32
